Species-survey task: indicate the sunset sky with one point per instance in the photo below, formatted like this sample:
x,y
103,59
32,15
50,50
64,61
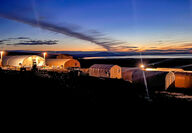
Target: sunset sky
x,y
96,25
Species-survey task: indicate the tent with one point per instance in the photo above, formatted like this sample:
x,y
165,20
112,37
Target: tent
x,y
23,60
105,71
155,79
183,80
127,73
62,63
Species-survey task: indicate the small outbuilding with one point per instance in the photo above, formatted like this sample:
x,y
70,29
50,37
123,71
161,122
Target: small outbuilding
x,y
105,71
22,61
183,80
63,63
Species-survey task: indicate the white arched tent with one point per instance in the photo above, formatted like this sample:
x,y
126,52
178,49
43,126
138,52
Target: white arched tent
x,y
23,60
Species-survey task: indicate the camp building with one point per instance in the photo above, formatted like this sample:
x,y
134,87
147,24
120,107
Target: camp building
x,y
183,80
155,79
105,71
63,63
22,61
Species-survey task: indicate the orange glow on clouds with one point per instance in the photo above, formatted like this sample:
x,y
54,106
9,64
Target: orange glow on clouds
x,y
165,47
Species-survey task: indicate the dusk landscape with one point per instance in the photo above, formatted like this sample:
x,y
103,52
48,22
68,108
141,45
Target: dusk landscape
x,y
96,52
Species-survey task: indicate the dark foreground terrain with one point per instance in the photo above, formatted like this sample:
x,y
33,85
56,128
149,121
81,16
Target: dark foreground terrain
x,y
60,88
39,89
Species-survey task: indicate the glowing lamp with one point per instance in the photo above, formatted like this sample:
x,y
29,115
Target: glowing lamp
x,y
44,54
1,54
142,66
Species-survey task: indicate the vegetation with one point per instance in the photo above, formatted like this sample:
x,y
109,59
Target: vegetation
x,y
59,89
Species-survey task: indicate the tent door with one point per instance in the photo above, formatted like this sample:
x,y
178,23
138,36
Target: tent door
x,y
34,63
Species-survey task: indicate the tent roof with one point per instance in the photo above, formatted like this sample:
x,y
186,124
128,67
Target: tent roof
x,y
15,60
125,69
62,61
102,66
18,56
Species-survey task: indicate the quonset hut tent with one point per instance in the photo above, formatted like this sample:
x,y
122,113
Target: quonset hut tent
x,y
105,71
22,61
155,79
63,63
127,73
178,78
183,80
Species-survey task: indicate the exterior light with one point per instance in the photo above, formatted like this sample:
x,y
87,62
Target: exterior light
x,y
1,54
142,66
44,55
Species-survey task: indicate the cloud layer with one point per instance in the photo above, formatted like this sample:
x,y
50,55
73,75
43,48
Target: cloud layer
x,y
19,38
94,37
37,42
27,41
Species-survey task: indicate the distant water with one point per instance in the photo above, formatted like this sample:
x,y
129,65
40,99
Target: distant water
x,y
179,56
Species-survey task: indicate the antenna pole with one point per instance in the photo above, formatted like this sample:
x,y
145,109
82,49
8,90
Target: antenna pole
x,y
145,81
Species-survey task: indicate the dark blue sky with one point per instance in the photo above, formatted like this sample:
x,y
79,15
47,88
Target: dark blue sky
x,y
139,24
